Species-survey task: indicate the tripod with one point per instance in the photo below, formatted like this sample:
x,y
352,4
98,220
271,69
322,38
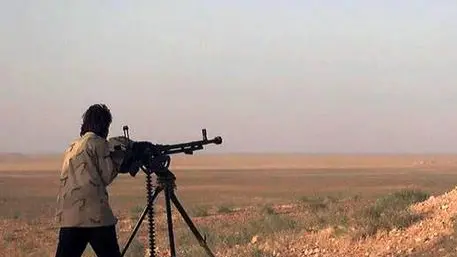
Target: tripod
x,y
165,183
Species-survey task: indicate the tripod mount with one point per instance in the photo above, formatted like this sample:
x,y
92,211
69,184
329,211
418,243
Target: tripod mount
x,y
159,163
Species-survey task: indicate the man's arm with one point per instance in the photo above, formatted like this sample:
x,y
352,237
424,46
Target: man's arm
x,y
107,168
125,154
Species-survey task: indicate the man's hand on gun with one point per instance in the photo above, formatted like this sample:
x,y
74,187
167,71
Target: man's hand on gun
x,y
128,154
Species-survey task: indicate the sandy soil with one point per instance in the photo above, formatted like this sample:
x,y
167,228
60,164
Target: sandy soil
x,y
271,177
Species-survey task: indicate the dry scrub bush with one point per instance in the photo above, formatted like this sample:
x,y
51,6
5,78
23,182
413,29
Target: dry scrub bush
x,y
360,218
388,212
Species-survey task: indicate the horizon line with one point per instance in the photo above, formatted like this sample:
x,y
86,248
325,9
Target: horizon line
x,y
259,153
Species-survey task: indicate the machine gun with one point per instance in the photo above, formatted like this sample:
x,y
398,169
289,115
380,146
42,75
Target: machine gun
x,y
157,154
156,159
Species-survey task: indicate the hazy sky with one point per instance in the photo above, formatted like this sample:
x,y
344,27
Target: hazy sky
x,y
270,76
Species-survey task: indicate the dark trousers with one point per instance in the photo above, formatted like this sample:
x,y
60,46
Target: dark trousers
x,y
73,241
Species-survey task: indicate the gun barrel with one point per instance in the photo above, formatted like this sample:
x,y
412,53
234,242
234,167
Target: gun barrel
x,y
187,148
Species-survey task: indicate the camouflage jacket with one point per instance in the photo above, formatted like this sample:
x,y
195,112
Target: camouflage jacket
x,y
88,168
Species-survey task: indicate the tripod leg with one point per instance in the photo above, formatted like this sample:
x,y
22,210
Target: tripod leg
x,y
191,225
170,221
137,226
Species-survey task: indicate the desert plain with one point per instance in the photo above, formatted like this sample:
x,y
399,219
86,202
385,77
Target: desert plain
x,y
257,205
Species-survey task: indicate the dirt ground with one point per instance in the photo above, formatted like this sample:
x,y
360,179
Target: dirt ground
x,y
232,199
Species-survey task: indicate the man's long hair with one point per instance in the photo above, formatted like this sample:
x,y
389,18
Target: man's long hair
x,y
97,119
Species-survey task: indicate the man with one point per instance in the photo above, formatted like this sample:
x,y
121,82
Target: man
x,y
89,166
